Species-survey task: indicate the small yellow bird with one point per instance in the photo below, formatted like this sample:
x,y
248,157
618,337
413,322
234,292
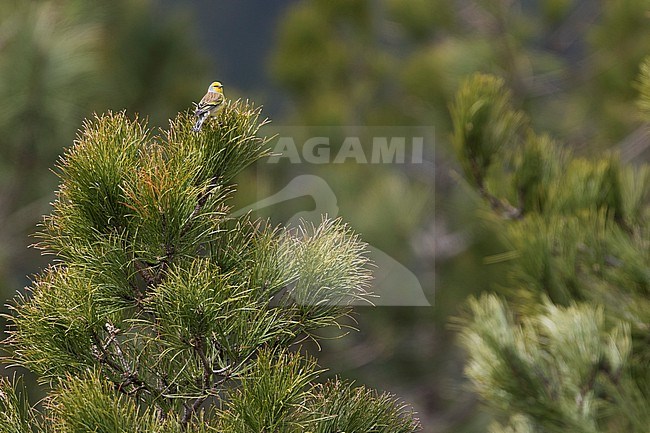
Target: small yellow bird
x,y
210,104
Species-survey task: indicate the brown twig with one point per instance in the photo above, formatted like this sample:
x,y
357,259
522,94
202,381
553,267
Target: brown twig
x,y
206,386
117,362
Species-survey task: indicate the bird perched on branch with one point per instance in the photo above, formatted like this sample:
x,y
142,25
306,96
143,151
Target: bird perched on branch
x,y
210,104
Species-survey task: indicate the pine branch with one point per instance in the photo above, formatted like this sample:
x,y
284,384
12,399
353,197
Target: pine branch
x,y
190,410
117,362
505,209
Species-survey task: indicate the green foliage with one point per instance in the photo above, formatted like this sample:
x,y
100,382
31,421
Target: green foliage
x,y
551,366
164,312
328,259
569,350
421,18
279,386
15,414
94,170
484,124
537,166
343,407
92,404
273,396
53,328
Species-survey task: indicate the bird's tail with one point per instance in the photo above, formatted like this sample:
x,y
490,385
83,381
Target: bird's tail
x,y
199,122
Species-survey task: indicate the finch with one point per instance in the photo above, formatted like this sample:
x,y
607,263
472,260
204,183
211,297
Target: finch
x,y
210,104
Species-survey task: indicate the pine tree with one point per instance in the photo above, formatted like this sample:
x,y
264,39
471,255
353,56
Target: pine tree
x,y
564,344
162,313
393,62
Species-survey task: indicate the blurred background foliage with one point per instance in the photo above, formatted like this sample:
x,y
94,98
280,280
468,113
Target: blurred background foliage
x,y
59,62
571,65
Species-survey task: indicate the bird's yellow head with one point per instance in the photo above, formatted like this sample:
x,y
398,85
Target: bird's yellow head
x,y
216,87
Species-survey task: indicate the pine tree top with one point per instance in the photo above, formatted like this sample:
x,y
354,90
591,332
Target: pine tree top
x,y
164,313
